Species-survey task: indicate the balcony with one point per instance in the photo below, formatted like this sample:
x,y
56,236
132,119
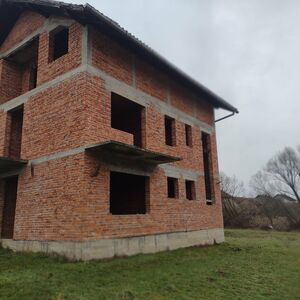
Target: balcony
x,y
10,166
117,151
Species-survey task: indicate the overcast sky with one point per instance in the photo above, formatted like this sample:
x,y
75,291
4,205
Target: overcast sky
x,y
246,51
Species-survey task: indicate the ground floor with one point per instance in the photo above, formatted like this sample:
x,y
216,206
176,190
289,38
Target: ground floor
x,y
84,207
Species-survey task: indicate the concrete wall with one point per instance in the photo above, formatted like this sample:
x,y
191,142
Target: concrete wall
x,y
109,248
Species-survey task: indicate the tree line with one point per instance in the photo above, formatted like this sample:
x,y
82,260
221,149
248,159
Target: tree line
x,y
276,195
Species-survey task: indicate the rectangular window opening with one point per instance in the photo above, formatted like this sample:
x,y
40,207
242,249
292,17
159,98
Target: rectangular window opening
x,y
128,194
172,187
9,207
169,131
207,169
188,135
126,115
15,132
190,190
58,43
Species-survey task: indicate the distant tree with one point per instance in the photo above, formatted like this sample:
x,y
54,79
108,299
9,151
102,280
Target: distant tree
x,y
281,175
231,185
231,188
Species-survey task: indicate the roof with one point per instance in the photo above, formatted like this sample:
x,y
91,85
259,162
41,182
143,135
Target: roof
x,y
10,10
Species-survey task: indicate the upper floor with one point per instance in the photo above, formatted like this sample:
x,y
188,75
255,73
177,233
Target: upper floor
x,y
66,83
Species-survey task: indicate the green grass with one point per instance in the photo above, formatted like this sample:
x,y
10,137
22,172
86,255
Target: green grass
x,y
250,265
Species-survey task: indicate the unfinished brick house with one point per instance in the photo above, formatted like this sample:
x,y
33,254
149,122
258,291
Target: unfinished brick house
x,y
106,148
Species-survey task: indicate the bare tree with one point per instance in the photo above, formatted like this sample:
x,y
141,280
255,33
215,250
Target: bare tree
x,y
281,175
231,185
231,188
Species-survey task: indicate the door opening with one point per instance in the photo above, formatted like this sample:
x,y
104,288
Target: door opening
x,y
9,208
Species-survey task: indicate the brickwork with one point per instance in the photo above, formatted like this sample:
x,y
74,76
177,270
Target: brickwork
x,y
59,113
11,80
27,23
4,133
51,69
68,198
110,57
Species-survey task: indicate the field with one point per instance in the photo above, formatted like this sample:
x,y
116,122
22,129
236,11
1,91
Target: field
x,y
250,265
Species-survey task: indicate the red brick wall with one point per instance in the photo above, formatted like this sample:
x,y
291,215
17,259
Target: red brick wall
x,y
62,199
10,80
52,200
150,81
54,120
71,204
110,57
15,123
15,80
4,133
48,70
27,23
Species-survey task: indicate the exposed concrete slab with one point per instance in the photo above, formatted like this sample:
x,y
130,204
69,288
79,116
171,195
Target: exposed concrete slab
x,y
108,248
57,155
123,166
177,172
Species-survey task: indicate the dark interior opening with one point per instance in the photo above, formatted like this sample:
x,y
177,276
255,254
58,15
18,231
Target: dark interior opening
x,y
172,187
33,76
126,115
169,131
206,163
127,194
188,135
190,190
15,134
59,43
9,208
21,70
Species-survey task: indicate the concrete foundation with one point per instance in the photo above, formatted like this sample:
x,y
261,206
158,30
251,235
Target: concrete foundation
x,y
108,248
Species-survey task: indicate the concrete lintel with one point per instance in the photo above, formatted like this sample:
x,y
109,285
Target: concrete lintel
x,y
177,172
130,170
108,248
55,21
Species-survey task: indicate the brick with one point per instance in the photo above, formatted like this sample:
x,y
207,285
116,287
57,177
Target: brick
x,y
67,199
